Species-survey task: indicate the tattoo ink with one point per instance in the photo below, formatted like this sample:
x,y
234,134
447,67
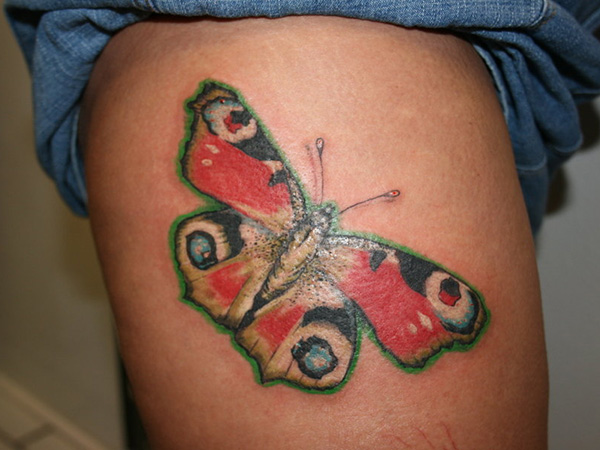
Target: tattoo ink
x,y
269,263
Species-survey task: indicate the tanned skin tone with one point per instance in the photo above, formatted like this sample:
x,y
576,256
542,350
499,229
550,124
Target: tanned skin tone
x,y
399,109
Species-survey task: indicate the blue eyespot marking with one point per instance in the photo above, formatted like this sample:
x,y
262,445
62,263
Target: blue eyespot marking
x,y
217,106
464,322
201,250
315,357
318,359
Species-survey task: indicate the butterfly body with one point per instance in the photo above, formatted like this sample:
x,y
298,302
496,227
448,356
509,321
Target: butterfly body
x,y
297,253
275,269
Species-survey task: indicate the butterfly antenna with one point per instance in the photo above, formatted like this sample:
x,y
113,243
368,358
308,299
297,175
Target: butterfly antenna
x,y
317,169
320,144
390,195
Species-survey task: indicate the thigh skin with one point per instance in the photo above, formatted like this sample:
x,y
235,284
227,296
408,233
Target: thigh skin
x,y
398,109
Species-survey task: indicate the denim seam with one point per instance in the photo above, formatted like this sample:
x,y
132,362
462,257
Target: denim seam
x,y
483,53
533,169
568,151
546,14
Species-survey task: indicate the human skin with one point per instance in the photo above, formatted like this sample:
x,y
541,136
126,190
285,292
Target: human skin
x,y
399,109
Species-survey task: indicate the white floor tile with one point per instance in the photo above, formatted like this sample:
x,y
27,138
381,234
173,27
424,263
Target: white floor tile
x,y
16,419
21,414
53,442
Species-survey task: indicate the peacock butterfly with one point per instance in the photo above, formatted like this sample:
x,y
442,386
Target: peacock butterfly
x,y
272,266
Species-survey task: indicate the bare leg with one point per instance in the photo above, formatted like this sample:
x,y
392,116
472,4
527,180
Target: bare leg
x,y
398,108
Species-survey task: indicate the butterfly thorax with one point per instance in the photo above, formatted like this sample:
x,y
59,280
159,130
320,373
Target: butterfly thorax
x,y
297,252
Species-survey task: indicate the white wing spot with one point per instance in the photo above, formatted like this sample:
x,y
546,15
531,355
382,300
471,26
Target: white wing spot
x,y
412,328
214,150
425,321
207,162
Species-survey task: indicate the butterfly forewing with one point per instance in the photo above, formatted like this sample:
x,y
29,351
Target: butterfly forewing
x,y
415,308
229,157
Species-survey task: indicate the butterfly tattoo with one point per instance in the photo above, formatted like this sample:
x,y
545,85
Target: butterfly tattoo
x,y
269,263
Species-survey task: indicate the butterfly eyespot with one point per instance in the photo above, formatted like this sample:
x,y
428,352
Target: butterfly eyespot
x,y
453,303
201,250
449,291
315,357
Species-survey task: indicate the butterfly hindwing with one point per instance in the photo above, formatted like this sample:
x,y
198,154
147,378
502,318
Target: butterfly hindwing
x,y
307,336
223,257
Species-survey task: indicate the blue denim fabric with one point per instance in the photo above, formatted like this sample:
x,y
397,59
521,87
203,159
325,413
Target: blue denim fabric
x,y
540,53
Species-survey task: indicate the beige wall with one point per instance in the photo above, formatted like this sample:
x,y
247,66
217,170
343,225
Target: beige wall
x,y
56,336
569,264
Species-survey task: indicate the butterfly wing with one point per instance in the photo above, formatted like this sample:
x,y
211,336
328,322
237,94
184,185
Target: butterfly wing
x,y
415,307
307,336
229,157
223,258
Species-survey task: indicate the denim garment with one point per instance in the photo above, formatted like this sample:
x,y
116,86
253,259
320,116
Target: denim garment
x,y
540,53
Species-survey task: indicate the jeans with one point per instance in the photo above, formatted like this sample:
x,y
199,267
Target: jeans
x,y
541,54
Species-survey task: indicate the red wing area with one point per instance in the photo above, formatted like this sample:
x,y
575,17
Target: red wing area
x,y
223,259
226,173
229,157
414,307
